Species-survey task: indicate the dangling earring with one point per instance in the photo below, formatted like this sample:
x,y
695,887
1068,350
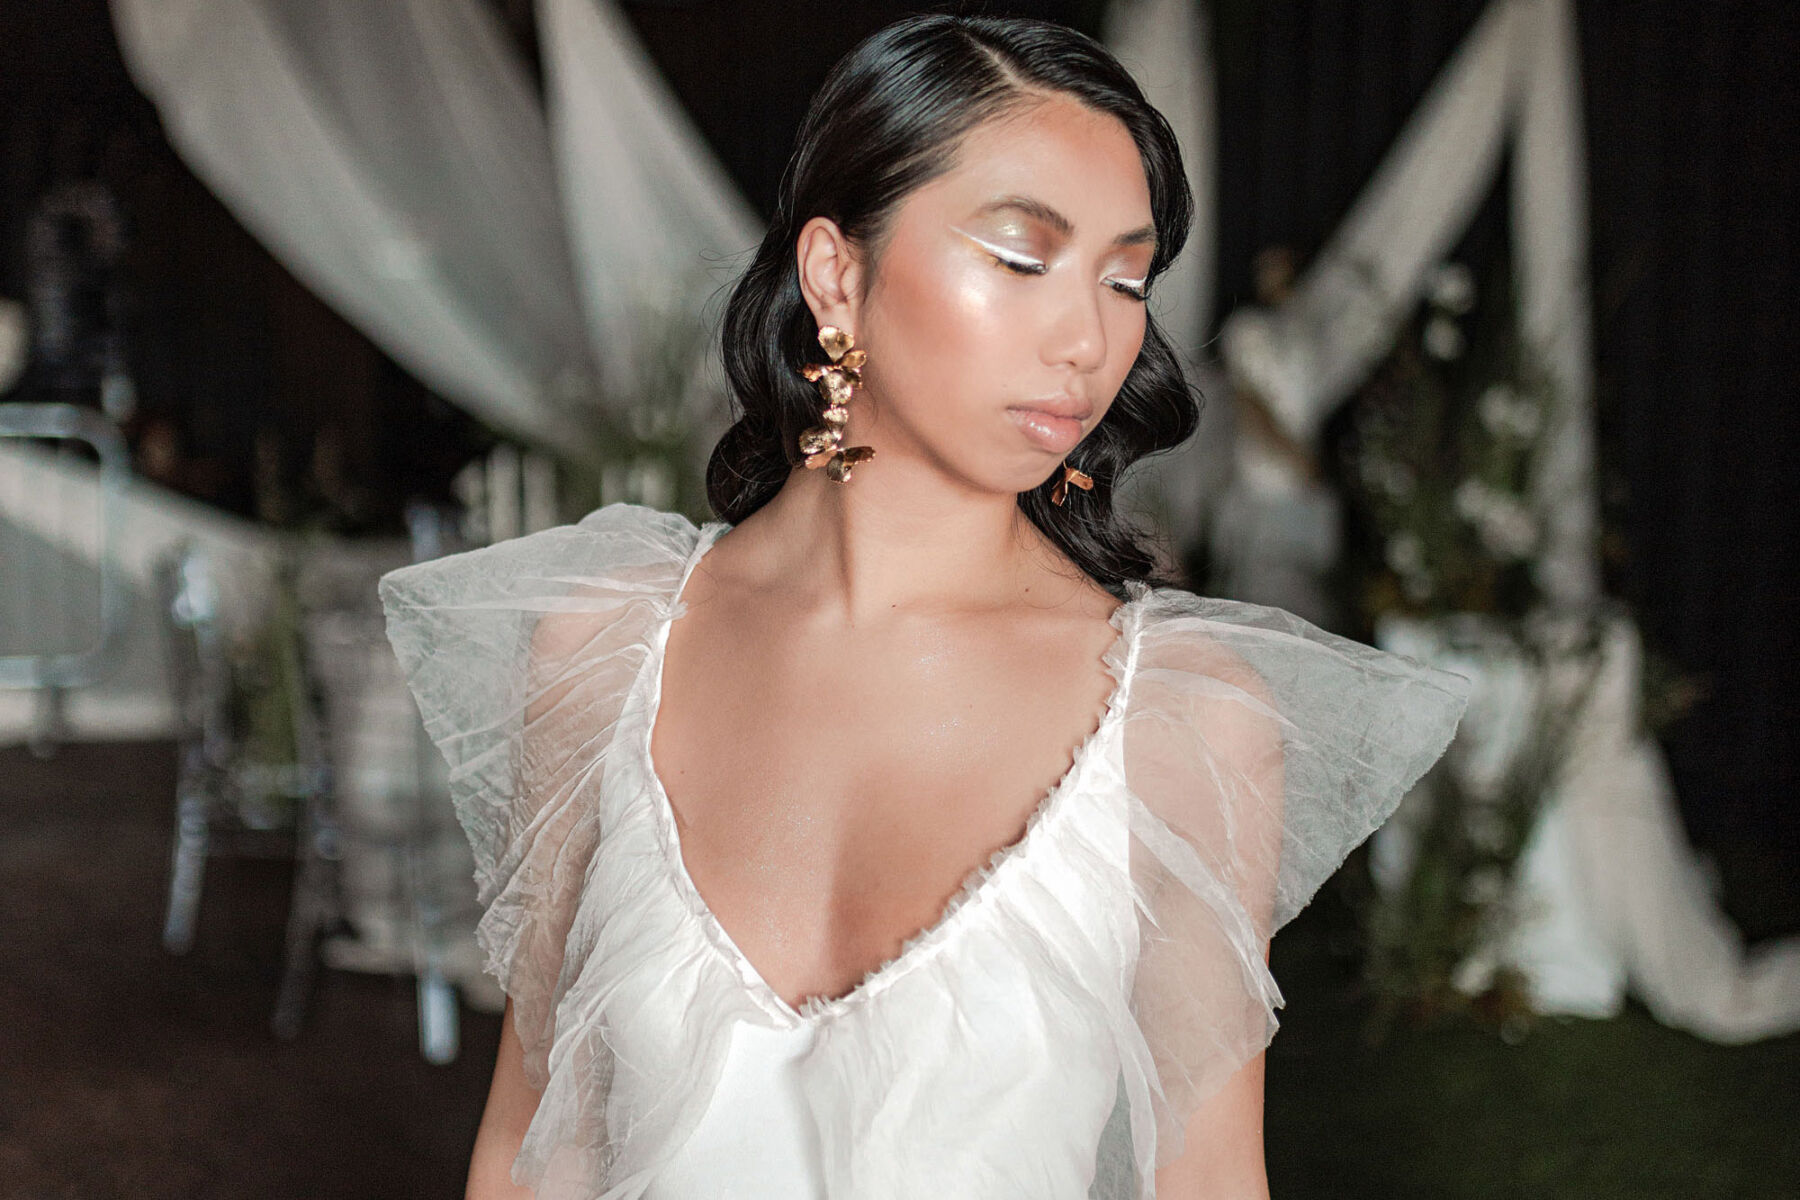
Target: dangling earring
x,y
823,445
1080,479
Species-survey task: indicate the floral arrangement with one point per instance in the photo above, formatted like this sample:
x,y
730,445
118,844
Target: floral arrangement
x,y
1435,459
1436,462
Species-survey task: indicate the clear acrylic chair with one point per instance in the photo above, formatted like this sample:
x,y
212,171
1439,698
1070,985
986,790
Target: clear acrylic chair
x,y
71,624
407,878
239,794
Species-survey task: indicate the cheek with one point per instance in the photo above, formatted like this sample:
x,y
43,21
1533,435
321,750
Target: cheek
x,y
1124,338
943,320
1125,328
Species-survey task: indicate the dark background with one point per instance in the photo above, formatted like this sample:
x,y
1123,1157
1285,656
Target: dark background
x,y
1691,121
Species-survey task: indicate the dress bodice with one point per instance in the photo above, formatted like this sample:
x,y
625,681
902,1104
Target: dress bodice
x,y
1046,1037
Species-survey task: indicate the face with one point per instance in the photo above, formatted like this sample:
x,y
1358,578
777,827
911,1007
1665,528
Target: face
x,y
1006,304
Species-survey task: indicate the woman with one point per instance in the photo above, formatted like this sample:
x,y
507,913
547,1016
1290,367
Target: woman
x,y
898,834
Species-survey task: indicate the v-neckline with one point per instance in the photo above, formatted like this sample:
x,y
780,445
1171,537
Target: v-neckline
x,y
976,885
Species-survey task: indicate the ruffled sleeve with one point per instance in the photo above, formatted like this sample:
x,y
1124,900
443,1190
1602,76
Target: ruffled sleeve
x,y
521,656
1259,750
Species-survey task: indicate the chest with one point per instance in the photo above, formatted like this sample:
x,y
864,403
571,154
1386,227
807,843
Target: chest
x,y
832,793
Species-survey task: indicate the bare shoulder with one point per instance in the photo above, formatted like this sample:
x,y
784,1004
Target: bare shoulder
x,y
1183,637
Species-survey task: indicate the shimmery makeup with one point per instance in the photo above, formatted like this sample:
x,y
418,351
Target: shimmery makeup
x,y
998,251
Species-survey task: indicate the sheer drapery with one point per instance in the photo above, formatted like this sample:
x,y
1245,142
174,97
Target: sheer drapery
x,y
393,157
658,228
1516,77
1610,893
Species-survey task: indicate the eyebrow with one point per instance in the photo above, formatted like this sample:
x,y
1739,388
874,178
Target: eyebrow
x,y
1143,235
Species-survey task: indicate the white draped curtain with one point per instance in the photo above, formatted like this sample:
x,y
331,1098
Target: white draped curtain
x,y
658,228
395,157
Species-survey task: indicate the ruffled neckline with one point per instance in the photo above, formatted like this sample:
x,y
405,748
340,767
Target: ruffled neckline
x,y
977,887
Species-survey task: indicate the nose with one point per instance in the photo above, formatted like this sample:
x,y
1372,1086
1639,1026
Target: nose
x,y
1077,335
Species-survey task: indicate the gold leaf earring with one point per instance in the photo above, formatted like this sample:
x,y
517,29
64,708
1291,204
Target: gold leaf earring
x,y
823,445
1080,479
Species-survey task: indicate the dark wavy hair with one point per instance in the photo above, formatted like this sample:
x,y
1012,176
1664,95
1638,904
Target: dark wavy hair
x,y
888,119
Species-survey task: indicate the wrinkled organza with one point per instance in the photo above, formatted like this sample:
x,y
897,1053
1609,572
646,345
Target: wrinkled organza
x,y
1050,1035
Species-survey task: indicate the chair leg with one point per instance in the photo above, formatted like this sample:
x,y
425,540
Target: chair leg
x,y
313,908
187,865
440,1034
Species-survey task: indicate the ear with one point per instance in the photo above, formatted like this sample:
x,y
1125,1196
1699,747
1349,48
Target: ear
x,y
830,273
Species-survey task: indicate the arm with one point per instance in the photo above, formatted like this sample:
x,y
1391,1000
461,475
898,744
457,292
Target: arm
x,y
511,1104
1230,812
1222,1157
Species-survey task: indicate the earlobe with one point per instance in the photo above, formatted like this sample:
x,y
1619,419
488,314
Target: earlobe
x,y
829,272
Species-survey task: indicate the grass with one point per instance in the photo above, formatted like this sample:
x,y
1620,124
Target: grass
x,y
1578,1110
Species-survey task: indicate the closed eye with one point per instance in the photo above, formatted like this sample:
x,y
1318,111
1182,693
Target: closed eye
x,y
1019,266
1137,289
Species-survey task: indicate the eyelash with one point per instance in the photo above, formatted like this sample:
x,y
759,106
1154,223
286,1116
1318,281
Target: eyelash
x,y
1030,268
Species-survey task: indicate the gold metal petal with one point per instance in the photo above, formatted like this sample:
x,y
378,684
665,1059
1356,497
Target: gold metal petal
x,y
856,454
838,469
837,415
835,387
812,371
837,343
821,458
819,437
853,360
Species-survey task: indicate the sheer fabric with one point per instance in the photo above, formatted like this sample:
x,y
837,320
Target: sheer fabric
x,y
1048,1036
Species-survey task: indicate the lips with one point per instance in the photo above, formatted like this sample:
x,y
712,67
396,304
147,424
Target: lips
x,y
1053,425
1060,406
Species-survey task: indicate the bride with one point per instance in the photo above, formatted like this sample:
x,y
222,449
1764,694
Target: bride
x,y
899,833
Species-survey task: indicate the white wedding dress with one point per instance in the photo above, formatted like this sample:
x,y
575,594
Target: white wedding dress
x,y
1047,1037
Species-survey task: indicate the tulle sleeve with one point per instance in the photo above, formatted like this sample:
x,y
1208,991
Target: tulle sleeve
x,y
1259,751
521,656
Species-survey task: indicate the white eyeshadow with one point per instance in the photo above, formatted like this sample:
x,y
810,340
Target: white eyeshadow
x,y
999,252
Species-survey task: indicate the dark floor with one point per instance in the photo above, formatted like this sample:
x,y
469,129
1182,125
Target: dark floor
x,y
128,1072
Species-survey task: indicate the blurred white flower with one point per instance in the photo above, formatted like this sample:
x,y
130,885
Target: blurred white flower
x,y
1509,530
1495,409
1405,554
1506,413
1451,287
1443,340
1473,500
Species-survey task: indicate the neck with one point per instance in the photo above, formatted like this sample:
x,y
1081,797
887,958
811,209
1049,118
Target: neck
x,y
894,536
